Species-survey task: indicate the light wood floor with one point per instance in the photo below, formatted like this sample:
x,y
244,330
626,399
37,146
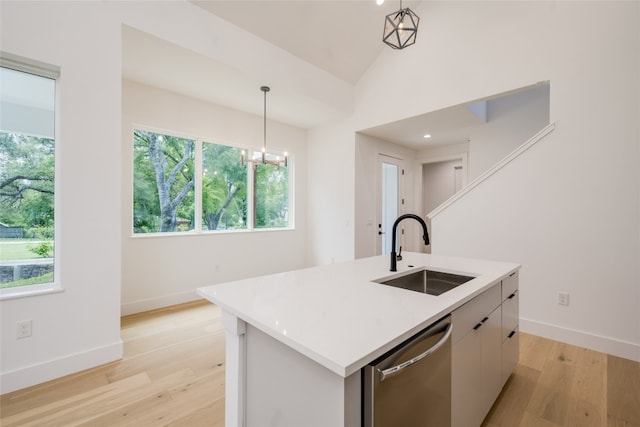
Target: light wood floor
x,y
172,374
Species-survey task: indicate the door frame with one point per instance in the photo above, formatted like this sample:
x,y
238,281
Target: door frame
x,y
380,159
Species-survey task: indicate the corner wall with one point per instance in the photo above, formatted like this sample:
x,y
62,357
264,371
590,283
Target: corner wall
x,y
79,327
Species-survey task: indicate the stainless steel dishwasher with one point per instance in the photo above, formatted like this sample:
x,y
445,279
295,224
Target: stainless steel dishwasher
x,y
411,385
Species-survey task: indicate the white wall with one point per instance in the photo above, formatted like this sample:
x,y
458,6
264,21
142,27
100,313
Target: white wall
x,y
438,183
79,327
568,210
512,120
578,197
162,270
330,193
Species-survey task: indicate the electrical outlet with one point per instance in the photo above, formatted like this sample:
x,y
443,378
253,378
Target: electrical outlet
x,y
24,329
563,298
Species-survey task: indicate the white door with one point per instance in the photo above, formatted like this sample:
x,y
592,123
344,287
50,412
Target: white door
x,y
389,200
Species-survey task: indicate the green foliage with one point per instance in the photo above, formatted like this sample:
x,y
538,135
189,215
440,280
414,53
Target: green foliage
x,y
163,196
26,181
42,249
40,233
272,196
164,200
224,188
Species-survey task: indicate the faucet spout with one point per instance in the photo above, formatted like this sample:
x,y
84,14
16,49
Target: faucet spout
x,y
425,236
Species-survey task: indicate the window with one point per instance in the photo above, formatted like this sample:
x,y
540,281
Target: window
x,y
27,173
224,188
229,194
163,185
271,196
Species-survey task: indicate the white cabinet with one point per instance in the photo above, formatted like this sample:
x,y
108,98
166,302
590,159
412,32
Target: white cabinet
x,y
485,351
491,357
476,358
510,325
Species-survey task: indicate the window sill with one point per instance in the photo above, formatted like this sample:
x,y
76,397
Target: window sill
x,y
29,291
210,232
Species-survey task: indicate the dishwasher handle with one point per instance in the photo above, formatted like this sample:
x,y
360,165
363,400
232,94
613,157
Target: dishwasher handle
x,y
396,369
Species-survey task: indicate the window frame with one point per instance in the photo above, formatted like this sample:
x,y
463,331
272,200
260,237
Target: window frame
x,y
198,187
196,169
42,69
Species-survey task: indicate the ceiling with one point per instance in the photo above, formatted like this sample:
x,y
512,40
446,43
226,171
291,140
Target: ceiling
x,y
452,125
342,37
156,62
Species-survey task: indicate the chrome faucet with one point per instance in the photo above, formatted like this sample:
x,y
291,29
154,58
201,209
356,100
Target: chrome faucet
x,y
425,236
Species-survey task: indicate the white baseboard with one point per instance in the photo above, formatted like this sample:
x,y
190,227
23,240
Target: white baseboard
x,y
158,302
56,368
625,349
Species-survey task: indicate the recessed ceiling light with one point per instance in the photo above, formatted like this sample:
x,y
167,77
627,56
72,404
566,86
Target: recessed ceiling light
x,y
427,136
379,2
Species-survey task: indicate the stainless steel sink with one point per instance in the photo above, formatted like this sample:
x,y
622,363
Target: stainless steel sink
x,y
426,281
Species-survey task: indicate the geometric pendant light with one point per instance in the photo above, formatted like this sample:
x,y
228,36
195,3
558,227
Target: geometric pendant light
x,y
400,28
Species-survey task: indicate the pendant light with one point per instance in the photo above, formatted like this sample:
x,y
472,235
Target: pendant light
x,y
400,28
263,158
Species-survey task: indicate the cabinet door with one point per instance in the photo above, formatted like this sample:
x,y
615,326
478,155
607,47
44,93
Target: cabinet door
x,y
510,284
510,354
491,362
510,314
466,317
477,371
466,377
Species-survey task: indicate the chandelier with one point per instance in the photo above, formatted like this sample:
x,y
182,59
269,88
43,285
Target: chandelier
x,y
263,159
400,28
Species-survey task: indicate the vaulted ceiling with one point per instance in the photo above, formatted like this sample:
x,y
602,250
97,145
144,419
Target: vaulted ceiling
x,y
341,37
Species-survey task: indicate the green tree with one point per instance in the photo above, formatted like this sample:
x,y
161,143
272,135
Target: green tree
x,y
163,181
271,196
224,188
27,181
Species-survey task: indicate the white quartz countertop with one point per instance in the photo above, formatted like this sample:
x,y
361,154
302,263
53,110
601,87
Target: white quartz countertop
x,y
338,317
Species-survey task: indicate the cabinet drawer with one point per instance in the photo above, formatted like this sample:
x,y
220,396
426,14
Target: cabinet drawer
x,y
509,285
510,314
473,312
510,354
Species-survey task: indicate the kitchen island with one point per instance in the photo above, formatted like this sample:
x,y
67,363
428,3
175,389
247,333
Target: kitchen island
x,y
296,341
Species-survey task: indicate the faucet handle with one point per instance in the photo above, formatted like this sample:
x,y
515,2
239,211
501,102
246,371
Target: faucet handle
x,y
399,256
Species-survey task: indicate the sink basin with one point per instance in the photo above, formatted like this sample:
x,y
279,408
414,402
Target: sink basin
x,y
426,281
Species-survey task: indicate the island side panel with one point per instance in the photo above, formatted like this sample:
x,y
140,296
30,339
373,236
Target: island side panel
x,y
287,389
234,389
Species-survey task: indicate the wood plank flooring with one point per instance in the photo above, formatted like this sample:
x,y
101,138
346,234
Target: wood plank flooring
x,y
172,374
557,384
